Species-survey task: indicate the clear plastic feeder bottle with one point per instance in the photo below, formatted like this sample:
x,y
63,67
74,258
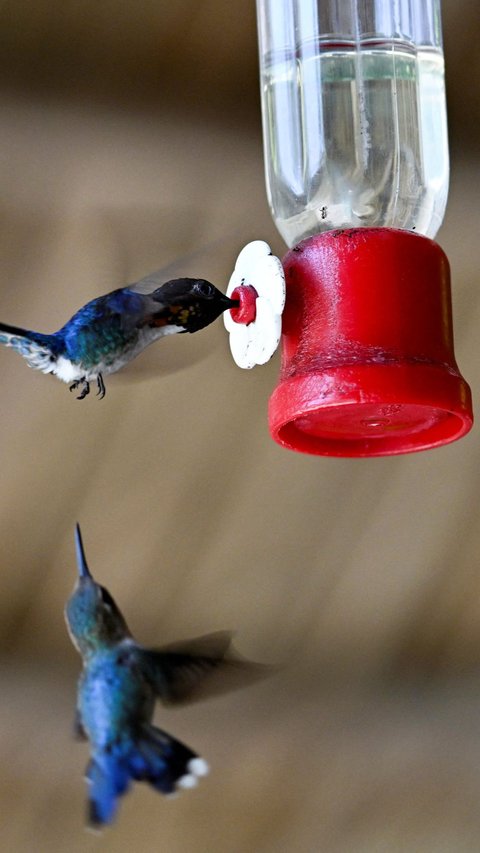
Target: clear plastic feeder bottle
x,y
356,159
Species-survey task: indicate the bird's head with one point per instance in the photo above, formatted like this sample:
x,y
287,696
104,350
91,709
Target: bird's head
x,y
93,619
192,303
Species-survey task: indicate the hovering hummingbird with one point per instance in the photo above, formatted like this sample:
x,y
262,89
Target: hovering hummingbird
x,y
111,330
117,690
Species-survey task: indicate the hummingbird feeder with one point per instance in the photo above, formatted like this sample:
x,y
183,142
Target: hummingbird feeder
x,y
356,160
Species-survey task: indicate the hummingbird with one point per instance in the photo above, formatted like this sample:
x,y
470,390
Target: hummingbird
x,y
111,330
117,690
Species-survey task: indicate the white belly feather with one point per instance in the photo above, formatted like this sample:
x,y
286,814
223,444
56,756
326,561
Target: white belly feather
x,y
69,372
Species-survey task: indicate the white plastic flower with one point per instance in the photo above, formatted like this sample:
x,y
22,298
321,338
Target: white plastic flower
x,y
255,342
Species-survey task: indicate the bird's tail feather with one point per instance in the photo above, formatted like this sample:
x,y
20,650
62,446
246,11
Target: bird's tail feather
x,y
155,757
8,333
36,348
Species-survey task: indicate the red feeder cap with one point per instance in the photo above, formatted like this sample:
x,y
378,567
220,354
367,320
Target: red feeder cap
x,y
368,367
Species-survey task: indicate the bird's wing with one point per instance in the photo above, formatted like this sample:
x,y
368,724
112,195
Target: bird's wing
x,y
211,260
35,348
148,284
199,668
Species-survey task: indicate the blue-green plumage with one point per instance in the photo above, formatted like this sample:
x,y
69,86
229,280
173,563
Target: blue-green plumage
x,y
103,328
117,690
111,330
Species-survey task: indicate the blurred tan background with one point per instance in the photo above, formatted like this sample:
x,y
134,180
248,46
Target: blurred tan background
x,y
131,137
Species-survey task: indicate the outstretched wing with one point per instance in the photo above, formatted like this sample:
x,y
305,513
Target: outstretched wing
x,y
199,668
38,350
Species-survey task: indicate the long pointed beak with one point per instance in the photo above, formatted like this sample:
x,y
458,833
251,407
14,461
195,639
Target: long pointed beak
x,y
83,570
228,302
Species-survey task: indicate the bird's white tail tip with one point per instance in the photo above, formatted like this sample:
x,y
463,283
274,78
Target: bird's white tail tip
x,y
197,767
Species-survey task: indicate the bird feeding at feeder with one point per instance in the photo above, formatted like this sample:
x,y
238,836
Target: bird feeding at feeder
x,y
108,332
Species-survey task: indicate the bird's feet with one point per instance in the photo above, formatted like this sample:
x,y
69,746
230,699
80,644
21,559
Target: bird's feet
x,y
100,386
85,388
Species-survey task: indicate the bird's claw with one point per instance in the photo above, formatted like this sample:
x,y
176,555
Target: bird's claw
x,y
85,389
100,386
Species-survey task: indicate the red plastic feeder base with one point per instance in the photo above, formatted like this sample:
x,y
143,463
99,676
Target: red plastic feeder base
x,y
368,367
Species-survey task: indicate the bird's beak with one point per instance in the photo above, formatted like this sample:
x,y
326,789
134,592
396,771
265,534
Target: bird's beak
x,y
83,570
232,303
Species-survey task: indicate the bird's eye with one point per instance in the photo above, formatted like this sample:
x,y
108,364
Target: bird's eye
x,y
205,288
